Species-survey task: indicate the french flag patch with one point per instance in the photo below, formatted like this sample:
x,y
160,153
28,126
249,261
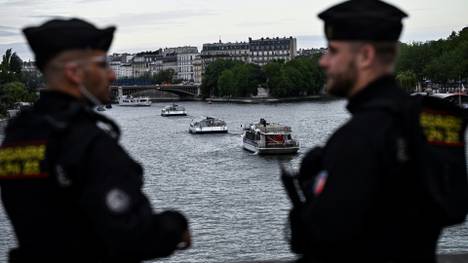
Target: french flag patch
x,y
320,181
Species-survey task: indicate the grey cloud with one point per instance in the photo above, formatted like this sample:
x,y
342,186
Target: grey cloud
x,y
8,28
178,17
90,1
8,33
15,2
47,16
20,48
23,3
264,23
254,24
148,19
420,10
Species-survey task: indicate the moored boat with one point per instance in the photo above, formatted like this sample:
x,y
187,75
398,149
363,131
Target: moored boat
x,y
208,125
269,138
173,110
100,108
17,108
460,99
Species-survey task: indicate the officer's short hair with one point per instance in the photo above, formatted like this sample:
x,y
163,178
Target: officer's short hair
x,y
386,51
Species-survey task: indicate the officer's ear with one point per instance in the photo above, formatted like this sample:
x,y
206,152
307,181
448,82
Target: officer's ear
x,y
73,72
366,56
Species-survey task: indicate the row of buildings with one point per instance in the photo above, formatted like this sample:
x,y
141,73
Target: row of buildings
x,y
189,64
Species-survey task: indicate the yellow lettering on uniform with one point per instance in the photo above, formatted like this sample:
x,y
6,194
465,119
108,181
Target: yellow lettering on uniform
x,y
452,137
31,168
13,168
2,169
21,160
441,128
36,152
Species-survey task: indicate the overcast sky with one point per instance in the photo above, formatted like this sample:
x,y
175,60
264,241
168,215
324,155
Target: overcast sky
x,y
152,24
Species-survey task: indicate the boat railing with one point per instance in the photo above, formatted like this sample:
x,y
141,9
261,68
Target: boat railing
x,y
284,143
273,128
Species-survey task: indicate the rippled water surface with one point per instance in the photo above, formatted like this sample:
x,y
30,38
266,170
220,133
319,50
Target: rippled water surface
x,y
233,199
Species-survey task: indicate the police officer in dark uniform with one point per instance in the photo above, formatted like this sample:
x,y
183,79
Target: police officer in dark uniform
x,y
364,201
71,191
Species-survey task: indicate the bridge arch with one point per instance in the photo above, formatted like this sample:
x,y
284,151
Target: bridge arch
x,y
183,91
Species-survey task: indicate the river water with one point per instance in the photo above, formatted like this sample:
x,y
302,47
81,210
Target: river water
x,y
233,199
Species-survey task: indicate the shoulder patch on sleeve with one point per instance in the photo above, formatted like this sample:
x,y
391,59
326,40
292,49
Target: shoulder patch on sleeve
x,y
23,160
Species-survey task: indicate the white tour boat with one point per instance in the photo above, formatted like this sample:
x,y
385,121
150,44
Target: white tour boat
x,y
134,101
173,110
269,138
208,125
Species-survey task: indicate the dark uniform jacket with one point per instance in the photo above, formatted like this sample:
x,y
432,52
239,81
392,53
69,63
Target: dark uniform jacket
x,y
365,203
73,194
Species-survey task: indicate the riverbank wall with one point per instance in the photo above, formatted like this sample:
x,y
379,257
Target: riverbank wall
x,y
249,100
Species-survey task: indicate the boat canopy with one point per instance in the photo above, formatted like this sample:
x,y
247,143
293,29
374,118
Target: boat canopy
x,y
174,107
209,121
273,128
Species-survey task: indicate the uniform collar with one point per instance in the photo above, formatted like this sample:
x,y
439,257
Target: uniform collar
x,y
384,87
54,100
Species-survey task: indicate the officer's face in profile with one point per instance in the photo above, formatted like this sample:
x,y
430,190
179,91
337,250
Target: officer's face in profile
x,y
339,64
97,76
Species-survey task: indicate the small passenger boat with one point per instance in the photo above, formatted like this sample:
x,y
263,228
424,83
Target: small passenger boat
x,y
134,101
208,125
269,138
173,110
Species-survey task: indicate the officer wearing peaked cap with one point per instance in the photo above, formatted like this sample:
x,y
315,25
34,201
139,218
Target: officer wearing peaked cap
x,y
71,191
364,202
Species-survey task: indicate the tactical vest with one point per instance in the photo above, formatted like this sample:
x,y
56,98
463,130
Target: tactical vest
x,y
434,133
39,161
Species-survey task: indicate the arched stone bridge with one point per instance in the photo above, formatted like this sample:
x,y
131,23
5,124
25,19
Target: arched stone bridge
x,y
182,90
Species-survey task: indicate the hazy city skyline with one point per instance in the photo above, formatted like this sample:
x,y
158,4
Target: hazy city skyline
x,y
150,25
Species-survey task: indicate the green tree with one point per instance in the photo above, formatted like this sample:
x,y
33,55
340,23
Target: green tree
x,y
441,61
13,92
273,77
244,86
32,80
10,67
298,77
257,77
317,76
226,83
213,71
408,80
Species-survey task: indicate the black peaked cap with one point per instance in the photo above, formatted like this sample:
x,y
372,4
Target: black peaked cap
x,y
371,20
58,35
